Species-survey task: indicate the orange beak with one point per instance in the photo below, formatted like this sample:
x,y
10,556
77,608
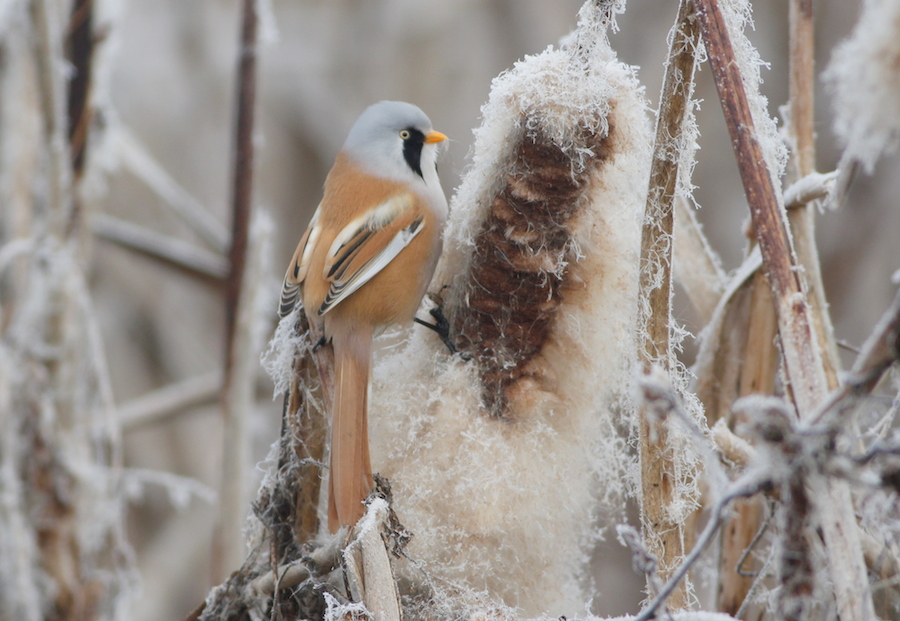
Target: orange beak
x,y
434,137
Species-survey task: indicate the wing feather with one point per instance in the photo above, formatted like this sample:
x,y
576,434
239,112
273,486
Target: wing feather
x,y
364,248
359,251
297,268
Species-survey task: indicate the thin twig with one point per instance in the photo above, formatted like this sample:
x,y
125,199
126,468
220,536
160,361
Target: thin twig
x,y
642,561
757,582
183,256
747,552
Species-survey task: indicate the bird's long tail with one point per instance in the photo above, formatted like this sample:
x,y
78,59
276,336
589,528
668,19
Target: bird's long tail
x,y
350,472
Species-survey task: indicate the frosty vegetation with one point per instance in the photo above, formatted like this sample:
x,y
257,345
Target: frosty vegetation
x,y
765,478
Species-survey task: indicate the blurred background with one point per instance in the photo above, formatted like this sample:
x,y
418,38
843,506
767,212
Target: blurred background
x,y
171,82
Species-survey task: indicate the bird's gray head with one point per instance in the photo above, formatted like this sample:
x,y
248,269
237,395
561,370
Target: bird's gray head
x,y
394,139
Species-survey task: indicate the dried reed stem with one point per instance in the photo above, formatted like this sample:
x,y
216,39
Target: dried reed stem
x,y
138,160
758,369
304,430
162,404
698,268
49,57
242,173
802,82
749,485
802,357
80,54
801,219
180,255
60,455
665,538
800,344
237,391
81,48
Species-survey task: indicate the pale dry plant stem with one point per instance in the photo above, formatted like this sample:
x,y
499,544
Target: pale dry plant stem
x,y
169,401
182,256
698,268
801,219
137,159
228,546
665,538
802,356
63,443
49,57
757,376
748,485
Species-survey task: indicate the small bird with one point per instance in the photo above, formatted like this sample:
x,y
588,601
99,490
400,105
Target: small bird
x,y
363,265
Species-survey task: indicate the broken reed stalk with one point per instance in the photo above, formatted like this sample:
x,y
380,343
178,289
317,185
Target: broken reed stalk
x,y
802,359
228,543
801,219
758,368
287,509
802,356
367,565
665,539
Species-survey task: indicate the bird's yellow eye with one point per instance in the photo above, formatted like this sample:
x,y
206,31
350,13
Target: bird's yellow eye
x,y
404,133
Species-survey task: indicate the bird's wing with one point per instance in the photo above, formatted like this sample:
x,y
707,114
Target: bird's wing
x,y
365,246
299,265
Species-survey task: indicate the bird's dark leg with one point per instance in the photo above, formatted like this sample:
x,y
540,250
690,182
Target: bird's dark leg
x,y
440,326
